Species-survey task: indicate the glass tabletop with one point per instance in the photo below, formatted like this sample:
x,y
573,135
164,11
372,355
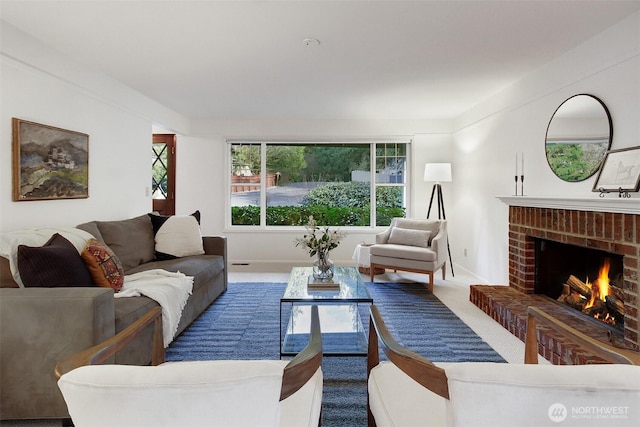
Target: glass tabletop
x,y
352,288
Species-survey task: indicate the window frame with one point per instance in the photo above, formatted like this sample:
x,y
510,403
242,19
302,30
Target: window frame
x,y
264,143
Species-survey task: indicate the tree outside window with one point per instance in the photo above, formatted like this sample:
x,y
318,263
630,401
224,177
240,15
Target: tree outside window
x,y
333,182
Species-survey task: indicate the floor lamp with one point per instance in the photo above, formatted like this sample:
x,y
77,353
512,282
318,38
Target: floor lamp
x,y
438,172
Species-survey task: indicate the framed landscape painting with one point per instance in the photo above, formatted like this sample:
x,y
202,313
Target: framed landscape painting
x,y
49,163
620,171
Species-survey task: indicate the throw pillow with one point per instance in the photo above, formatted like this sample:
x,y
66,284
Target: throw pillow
x,y
105,267
130,239
55,264
404,236
177,235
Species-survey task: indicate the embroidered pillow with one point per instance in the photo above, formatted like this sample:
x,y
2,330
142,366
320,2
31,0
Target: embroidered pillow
x,y
55,264
104,266
177,235
407,237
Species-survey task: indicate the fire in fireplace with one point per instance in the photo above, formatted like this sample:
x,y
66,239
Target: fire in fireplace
x,y
598,298
586,279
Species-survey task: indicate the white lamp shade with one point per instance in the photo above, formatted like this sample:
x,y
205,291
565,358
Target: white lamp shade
x,y
439,172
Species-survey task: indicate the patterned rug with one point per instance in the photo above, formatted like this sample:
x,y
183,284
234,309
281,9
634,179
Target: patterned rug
x,y
244,323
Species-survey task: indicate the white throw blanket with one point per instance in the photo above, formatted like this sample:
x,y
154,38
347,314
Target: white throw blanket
x,y
168,289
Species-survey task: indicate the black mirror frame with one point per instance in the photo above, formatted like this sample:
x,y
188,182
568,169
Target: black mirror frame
x,y
610,123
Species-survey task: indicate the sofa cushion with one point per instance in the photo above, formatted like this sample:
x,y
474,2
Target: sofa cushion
x,y
91,228
104,266
130,239
177,235
408,237
203,268
55,264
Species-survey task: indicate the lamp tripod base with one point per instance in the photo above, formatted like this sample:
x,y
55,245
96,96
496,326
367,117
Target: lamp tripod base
x,y
436,191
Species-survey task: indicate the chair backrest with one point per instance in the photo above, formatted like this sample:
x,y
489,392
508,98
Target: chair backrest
x,y
224,393
432,225
417,367
501,394
215,393
506,394
412,229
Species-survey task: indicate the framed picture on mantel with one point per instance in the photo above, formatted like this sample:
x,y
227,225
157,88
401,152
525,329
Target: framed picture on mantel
x,y
49,163
620,171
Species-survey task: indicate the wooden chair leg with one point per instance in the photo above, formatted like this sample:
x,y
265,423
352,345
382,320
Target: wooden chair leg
x,y
444,269
431,281
372,268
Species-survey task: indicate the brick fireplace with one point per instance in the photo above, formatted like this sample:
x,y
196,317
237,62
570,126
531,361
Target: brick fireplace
x,y
615,231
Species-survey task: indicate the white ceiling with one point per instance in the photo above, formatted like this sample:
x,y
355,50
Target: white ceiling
x,y
376,59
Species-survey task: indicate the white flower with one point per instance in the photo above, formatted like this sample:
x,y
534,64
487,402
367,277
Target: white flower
x,y
319,239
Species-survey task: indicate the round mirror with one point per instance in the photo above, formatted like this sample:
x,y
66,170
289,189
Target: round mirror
x,y
578,137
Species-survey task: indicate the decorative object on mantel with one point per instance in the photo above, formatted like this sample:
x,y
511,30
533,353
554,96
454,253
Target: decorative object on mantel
x,y
620,173
319,242
521,176
578,137
438,172
49,163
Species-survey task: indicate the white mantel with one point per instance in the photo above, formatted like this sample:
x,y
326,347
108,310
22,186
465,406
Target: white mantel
x,y
608,203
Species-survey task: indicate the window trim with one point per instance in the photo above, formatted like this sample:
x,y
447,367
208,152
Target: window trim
x,y
263,226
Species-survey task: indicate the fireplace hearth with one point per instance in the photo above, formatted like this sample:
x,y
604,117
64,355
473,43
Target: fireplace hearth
x,y
614,233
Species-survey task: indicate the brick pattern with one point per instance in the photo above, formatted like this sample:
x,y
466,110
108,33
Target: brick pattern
x,y
508,307
612,232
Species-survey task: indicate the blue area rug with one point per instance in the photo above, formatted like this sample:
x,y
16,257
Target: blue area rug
x,y
244,323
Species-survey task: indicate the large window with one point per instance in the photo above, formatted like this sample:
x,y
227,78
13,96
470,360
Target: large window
x,y
282,184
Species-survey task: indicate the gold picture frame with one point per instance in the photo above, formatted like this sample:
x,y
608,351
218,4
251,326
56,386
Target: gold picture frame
x,y
49,163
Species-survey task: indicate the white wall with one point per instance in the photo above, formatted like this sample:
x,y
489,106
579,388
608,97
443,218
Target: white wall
x,y
488,137
40,85
202,181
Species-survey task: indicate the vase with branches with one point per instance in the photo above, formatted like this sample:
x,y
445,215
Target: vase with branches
x,y
319,241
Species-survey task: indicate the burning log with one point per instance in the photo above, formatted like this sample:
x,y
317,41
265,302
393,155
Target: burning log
x,y
616,291
566,291
579,286
574,300
615,306
598,307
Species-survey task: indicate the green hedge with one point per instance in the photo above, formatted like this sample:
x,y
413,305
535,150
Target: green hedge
x,y
324,215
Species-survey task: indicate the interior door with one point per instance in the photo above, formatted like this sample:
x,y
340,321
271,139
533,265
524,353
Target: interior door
x,y
164,174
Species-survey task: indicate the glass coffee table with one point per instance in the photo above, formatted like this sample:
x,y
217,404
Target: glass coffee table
x,y
341,312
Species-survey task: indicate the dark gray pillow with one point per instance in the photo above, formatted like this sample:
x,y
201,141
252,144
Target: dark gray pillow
x,y
130,239
57,263
91,228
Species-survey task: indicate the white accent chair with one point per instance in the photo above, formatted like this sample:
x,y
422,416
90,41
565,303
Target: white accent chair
x,y
411,244
204,393
409,390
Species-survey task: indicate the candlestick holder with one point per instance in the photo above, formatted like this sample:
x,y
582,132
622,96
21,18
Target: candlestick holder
x,y
522,185
516,176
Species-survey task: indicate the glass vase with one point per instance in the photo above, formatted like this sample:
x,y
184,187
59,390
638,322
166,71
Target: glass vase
x,y
323,268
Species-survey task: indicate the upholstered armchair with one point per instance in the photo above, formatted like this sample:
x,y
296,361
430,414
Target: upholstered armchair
x,y
409,390
411,244
207,393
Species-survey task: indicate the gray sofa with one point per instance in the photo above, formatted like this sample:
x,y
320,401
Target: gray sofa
x,y
41,326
